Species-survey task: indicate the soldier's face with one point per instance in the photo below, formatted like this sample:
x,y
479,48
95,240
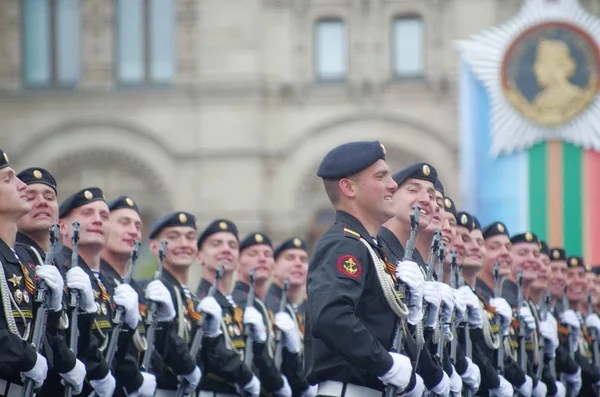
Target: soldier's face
x,y
125,227
475,250
259,257
220,249
460,243
498,249
437,218
526,258
292,263
44,209
411,193
448,233
372,189
93,225
541,281
557,278
181,245
13,199
576,284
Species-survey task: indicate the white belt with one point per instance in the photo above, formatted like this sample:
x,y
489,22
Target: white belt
x,y
205,393
8,389
334,389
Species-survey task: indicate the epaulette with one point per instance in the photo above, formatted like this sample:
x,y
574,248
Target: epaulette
x,y
350,233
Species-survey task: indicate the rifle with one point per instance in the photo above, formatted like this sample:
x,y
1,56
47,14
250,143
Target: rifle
x,y
500,356
151,321
73,304
571,348
118,320
454,341
41,299
248,354
391,390
199,335
279,336
520,302
467,392
543,316
594,334
439,355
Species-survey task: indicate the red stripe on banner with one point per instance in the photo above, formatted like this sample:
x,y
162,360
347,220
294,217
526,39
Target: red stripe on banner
x,y
591,206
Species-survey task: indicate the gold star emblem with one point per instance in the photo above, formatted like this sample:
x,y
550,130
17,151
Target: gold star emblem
x,y
555,254
528,236
448,203
574,262
129,202
426,170
588,268
223,225
297,242
15,280
182,218
88,195
227,318
464,219
6,157
258,238
382,148
37,174
501,228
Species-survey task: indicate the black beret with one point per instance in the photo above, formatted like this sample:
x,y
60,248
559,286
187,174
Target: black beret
x,y
544,248
464,219
79,199
596,270
439,187
558,254
3,159
122,202
217,226
256,238
33,175
421,171
476,224
575,261
173,219
449,206
292,243
527,237
495,229
349,159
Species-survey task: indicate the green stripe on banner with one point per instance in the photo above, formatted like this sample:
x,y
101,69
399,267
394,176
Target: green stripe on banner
x,y
538,222
573,195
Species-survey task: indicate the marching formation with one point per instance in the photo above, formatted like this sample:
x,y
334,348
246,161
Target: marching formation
x,y
408,296
403,295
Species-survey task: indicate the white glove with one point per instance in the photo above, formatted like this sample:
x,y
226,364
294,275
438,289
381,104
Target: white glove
x,y
503,310
541,390
210,307
410,274
55,283
472,376
456,383
442,389
419,388
570,319
252,387
157,292
399,374
527,387
561,390
448,298
193,379
148,387
75,377
291,339
39,371
286,390
77,279
460,307
433,297
473,309
505,389
311,391
127,298
549,330
593,321
575,381
254,320
104,387
528,319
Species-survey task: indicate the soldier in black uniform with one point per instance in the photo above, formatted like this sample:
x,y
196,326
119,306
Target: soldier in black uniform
x,y
89,208
33,241
350,322
416,186
223,364
256,252
291,263
18,358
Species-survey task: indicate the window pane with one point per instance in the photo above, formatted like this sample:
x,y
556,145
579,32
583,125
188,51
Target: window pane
x,y
67,46
162,40
330,50
36,42
130,25
408,47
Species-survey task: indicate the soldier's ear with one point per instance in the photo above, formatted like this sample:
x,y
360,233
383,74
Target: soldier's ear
x,y
154,247
199,257
347,186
